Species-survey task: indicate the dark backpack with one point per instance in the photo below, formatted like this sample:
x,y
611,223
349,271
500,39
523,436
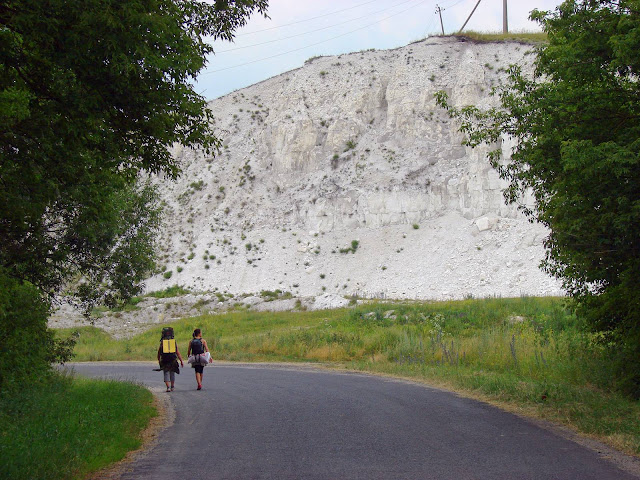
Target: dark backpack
x,y
196,346
167,333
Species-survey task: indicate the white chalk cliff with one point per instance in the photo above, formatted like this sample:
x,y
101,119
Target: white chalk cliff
x,y
354,148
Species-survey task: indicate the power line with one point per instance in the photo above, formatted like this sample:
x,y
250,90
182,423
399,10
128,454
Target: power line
x,y
439,11
312,45
451,6
312,31
428,27
305,20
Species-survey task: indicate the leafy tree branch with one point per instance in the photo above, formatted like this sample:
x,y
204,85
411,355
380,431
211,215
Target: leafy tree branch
x,y
93,94
577,150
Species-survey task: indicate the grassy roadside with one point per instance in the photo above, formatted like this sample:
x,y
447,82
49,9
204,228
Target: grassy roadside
x,y
66,428
528,354
524,37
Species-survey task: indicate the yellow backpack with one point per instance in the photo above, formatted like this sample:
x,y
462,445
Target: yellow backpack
x,y
168,347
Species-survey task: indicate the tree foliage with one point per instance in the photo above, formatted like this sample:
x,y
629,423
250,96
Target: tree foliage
x,y
576,123
93,94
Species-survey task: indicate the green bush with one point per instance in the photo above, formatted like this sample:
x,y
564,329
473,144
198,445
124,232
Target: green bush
x,y
173,291
352,249
24,332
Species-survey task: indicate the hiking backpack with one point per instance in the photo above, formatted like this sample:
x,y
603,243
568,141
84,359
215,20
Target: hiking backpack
x,y
196,346
168,346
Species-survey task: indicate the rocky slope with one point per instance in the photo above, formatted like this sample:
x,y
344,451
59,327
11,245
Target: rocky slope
x,y
339,179
352,151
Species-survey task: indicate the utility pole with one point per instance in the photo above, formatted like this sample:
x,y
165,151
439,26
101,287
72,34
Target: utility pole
x,y
505,18
439,12
472,12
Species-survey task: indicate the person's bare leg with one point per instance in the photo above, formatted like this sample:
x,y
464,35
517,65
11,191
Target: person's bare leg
x,y
199,379
166,379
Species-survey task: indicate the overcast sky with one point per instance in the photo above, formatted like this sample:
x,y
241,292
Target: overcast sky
x,y
300,29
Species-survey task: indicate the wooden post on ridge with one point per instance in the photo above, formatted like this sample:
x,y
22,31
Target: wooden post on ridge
x,y
469,18
505,17
439,12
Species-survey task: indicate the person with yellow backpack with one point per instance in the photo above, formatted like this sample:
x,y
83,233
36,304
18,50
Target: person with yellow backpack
x,y
168,356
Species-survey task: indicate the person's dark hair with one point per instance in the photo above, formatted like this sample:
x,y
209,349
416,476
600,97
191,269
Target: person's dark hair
x,y
196,332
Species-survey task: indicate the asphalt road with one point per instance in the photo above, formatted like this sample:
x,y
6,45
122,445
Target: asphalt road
x,y
280,422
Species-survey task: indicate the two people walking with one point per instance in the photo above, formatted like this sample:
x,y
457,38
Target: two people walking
x,y
169,354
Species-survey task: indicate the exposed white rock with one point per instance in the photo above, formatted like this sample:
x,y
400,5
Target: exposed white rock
x,y
354,147
328,301
251,300
486,223
345,148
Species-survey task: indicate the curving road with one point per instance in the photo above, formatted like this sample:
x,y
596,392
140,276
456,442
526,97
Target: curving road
x,y
283,422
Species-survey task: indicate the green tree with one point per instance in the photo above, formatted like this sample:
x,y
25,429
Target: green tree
x,y
93,93
576,123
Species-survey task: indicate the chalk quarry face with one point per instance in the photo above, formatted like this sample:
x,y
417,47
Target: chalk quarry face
x,y
345,177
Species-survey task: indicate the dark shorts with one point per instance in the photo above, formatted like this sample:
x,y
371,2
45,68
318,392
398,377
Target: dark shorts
x,y
199,368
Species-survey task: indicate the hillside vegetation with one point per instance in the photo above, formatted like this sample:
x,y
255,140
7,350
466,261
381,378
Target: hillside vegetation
x,y
524,37
527,354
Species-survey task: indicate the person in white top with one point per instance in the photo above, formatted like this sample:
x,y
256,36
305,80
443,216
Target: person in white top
x,y
198,346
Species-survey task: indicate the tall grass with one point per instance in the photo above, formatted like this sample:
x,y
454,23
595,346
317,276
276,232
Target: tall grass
x,y
524,37
64,428
529,354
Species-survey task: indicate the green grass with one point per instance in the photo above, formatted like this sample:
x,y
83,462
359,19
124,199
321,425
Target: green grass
x,y
132,303
229,330
173,291
527,354
65,428
525,37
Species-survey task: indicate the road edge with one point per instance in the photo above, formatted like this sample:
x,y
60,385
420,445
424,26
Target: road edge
x,y
628,463
149,436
